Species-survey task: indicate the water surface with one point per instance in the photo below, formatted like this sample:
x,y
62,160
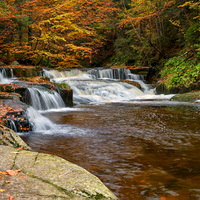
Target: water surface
x,y
146,150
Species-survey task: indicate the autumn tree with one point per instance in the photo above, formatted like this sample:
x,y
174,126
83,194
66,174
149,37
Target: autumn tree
x,y
57,32
143,25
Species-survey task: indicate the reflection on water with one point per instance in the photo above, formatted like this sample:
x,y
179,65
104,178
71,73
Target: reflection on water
x,y
138,151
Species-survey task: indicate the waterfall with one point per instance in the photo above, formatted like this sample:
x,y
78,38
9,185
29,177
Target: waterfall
x,y
4,76
39,122
12,125
118,73
104,85
71,74
44,99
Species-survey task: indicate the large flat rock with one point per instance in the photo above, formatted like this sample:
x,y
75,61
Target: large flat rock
x,y
45,176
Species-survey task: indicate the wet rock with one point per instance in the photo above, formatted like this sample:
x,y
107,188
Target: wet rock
x,y
48,177
133,83
66,94
26,71
142,71
13,115
162,89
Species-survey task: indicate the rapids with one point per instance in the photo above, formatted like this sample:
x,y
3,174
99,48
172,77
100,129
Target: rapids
x,y
104,85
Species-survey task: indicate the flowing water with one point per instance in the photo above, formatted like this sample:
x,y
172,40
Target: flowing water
x,y
6,78
45,99
139,144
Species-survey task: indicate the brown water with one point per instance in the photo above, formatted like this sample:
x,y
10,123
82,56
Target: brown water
x,y
139,151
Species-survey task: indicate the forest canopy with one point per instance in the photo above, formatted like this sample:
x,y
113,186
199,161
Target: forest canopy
x,y
90,33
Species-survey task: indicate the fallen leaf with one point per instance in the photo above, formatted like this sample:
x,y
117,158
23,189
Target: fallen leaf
x,y
2,190
22,177
20,148
3,173
12,172
15,152
7,182
11,198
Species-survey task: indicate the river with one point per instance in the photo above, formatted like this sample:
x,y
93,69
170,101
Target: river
x,y
140,149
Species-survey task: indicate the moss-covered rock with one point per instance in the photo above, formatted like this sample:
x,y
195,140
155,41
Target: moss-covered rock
x,y
187,97
26,71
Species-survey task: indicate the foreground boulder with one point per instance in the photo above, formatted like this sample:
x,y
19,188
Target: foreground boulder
x,y
43,176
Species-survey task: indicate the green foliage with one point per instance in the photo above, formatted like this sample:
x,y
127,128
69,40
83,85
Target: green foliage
x,y
62,85
179,71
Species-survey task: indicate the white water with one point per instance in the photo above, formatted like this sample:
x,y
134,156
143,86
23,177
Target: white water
x,y
44,99
39,122
4,78
100,86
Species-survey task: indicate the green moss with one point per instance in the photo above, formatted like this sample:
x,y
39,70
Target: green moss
x,y
70,194
96,197
187,97
62,85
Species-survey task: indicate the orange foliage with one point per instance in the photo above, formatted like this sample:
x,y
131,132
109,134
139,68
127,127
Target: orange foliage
x,y
59,33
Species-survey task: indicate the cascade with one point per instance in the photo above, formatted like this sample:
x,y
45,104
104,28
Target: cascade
x,y
118,73
39,122
103,85
44,99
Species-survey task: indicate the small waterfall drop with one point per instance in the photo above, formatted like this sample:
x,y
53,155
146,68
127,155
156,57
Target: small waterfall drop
x,y
44,99
39,122
4,76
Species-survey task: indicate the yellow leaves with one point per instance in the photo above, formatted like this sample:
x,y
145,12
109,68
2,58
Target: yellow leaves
x,y
2,190
187,3
175,22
